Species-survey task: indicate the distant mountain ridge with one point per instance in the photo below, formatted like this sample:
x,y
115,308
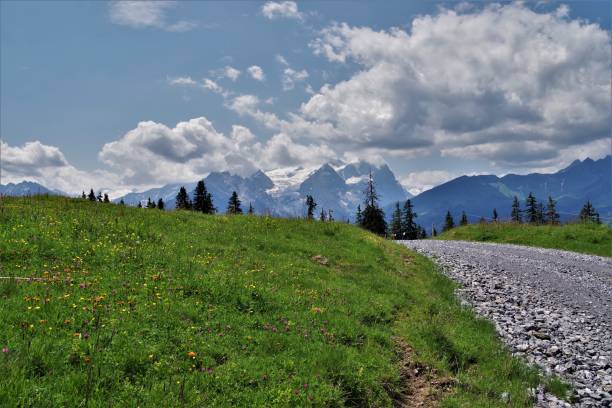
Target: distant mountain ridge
x,y
26,188
571,187
339,187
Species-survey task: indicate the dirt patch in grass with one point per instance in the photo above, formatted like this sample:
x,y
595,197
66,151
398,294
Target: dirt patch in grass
x,y
424,386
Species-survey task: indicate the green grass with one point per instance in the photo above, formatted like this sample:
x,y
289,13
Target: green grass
x,y
146,308
588,238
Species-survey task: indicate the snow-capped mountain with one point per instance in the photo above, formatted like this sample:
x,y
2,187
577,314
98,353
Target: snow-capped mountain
x,y
335,186
26,188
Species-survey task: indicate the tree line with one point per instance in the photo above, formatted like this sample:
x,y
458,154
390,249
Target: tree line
x,y
203,202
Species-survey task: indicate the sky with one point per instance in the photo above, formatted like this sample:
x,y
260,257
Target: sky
x,y
125,95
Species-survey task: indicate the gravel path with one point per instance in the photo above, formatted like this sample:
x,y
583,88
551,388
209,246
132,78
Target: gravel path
x,y
552,307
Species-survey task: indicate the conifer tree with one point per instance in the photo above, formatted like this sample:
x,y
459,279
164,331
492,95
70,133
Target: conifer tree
x,y
322,216
464,220
409,227
160,204
233,205
310,207
121,202
541,214
251,211
531,209
373,217
552,217
494,215
516,213
84,196
106,199
589,214
100,197
139,205
434,232
149,203
330,215
358,216
182,200
92,195
396,223
202,199
449,223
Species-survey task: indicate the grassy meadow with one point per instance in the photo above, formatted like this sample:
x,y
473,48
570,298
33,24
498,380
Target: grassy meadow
x,y
587,238
126,307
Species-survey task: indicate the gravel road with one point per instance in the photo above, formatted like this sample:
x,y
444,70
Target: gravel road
x,y
552,307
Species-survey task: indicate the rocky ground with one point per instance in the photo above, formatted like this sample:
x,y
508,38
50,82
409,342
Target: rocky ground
x,y
552,307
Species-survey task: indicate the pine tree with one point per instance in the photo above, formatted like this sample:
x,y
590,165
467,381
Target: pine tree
x,y
182,200
330,215
233,205
202,199
373,217
160,204
464,219
449,223
358,216
552,217
310,207
139,205
516,213
541,214
396,223
531,209
121,202
434,232
409,227
322,216
589,214
84,196
106,199
149,203
494,215
251,211
92,195
100,198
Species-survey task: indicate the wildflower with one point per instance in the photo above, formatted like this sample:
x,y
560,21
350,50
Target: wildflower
x,y
67,321
5,350
192,354
76,335
82,285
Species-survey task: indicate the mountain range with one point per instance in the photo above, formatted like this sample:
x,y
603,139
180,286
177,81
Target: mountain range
x,y
339,187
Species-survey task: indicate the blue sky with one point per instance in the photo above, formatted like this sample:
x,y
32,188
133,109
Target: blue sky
x,y
78,77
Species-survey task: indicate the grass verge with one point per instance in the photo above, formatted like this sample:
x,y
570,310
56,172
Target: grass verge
x,y
136,307
586,238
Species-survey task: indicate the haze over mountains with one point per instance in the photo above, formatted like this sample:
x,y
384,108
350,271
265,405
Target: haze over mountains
x,y
339,187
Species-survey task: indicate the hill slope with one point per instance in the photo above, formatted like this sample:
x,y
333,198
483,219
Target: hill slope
x,y
587,238
142,307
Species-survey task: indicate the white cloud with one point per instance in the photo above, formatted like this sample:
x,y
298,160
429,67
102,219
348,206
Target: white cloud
x,y
284,9
290,75
256,73
146,14
502,83
419,181
184,81
35,161
231,73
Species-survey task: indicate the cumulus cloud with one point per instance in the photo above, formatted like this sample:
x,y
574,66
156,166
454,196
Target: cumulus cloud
x,y
256,73
284,9
231,73
146,14
502,83
35,161
290,75
419,181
